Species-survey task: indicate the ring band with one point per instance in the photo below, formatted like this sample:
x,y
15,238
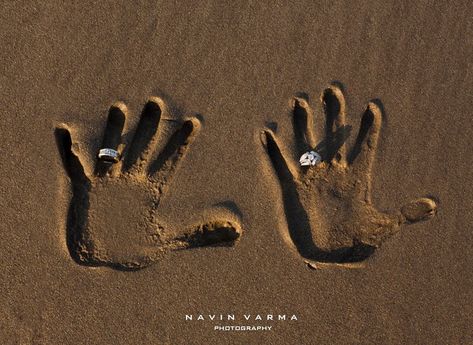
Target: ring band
x,y
109,155
310,158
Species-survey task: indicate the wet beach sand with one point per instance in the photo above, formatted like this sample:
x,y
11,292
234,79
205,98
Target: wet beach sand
x,y
200,218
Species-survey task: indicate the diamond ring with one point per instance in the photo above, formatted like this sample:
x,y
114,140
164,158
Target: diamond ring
x,y
109,155
310,158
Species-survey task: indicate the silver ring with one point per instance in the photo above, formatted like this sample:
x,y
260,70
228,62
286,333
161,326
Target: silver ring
x,y
109,155
310,158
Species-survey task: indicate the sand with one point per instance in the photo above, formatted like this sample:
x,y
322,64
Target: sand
x,y
208,214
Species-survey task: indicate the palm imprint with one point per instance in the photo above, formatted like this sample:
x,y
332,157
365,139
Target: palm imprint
x,y
113,217
330,216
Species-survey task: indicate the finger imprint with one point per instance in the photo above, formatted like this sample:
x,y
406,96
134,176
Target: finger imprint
x,y
285,174
336,131
418,210
166,163
362,155
303,122
145,137
112,136
71,162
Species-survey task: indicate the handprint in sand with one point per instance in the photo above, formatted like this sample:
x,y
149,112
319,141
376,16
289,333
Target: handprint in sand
x,y
330,215
113,218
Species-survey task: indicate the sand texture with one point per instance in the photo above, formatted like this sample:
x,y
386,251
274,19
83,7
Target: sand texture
x,y
208,211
